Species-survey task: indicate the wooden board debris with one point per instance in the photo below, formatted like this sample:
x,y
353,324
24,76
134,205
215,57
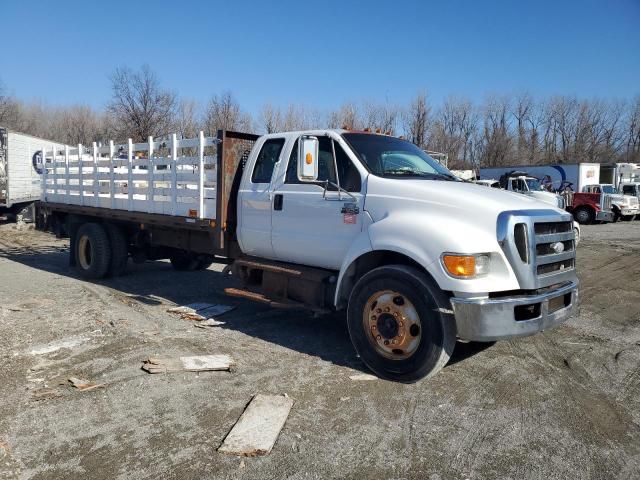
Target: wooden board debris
x,y
212,322
200,311
257,429
45,393
198,363
363,376
85,385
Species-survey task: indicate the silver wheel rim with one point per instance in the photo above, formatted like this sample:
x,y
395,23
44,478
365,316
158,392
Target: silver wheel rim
x,y
392,325
84,252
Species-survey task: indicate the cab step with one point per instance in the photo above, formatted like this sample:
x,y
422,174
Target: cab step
x,y
259,297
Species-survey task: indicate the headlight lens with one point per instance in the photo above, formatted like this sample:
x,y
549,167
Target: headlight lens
x,y
466,266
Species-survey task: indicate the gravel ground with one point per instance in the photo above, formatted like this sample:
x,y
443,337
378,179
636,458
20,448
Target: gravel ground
x,y
562,404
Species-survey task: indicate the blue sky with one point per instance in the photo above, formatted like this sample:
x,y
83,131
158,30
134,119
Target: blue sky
x,y
323,53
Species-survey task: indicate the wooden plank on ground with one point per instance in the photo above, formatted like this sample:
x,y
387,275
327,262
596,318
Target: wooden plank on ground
x,y
258,428
198,363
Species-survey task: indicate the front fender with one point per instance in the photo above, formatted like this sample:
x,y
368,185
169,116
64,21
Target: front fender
x,y
424,237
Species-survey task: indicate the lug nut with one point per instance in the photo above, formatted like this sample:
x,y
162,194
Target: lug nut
x,y
386,342
378,337
401,324
378,310
387,309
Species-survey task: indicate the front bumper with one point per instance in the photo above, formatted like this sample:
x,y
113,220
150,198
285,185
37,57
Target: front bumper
x,y
629,211
489,319
604,216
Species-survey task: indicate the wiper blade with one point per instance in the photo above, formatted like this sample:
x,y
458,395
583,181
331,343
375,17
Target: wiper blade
x,y
429,175
407,173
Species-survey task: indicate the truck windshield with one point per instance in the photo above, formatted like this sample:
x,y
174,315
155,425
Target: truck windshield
x,y
395,158
533,184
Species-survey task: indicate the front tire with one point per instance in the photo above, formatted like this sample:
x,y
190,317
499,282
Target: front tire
x,y
584,215
400,323
92,251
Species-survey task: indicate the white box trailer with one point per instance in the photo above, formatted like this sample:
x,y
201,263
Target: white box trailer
x,y
579,174
20,170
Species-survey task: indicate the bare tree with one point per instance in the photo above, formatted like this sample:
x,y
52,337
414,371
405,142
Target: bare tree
x,y
454,131
186,120
223,113
270,118
416,120
497,141
632,147
346,116
139,106
9,109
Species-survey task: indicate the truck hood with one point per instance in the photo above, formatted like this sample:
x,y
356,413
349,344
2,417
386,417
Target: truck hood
x,y
459,200
546,197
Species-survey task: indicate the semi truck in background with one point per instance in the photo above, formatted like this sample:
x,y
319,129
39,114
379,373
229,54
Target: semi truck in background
x,y
20,172
553,177
326,220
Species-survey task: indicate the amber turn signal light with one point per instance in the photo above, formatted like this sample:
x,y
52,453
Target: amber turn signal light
x,y
460,265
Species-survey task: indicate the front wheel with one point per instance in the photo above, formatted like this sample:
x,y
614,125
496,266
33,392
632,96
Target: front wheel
x,y
584,215
400,323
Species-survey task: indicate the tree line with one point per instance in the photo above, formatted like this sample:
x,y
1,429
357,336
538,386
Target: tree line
x,y
501,130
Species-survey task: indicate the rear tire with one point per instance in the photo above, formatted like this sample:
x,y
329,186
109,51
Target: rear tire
x,y
584,215
204,263
119,250
92,251
183,261
399,306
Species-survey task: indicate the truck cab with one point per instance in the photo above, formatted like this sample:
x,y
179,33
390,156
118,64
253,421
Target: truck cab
x,y
631,189
520,182
624,206
415,256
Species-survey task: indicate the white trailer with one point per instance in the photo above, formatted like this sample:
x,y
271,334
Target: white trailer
x,y
579,174
20,170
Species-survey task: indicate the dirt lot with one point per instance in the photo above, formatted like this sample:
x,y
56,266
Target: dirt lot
x,y
562,404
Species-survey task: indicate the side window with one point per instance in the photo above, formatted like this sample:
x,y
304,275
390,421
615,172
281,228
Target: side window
x,y
348,173
628,190
267,159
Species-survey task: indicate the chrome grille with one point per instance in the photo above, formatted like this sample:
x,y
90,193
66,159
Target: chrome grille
x,y
540,246
605,202
555,247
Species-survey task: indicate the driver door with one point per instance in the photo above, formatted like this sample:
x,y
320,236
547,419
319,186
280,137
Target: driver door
x,y
311,226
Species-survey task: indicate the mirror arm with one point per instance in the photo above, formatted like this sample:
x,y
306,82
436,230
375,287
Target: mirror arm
x,y
340,189
335,167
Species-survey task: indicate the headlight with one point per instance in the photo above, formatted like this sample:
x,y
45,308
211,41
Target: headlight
x,y
466,266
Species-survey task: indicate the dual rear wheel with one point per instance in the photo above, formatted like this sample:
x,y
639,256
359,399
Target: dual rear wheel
x,y
100,250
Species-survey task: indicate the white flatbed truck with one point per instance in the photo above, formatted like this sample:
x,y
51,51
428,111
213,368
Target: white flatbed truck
x,y
325,220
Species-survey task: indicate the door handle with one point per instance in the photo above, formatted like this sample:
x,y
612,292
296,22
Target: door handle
x,y
277,201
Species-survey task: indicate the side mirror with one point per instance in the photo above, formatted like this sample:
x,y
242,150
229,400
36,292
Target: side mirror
x,y
308,148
